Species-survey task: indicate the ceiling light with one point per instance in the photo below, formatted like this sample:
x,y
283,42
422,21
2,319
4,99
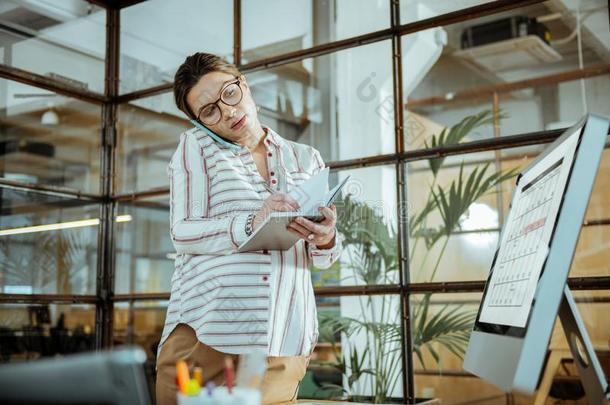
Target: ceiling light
x,y
59,225
49,117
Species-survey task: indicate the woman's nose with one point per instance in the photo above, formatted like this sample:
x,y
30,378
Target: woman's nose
x,y
228,112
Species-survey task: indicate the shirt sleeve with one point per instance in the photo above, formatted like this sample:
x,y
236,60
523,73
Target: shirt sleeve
x,y
192,231
324,258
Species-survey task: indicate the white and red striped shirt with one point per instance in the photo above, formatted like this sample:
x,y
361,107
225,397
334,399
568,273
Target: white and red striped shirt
x,y
237,302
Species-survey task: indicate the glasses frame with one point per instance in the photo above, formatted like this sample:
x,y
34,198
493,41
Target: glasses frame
x,y
237,81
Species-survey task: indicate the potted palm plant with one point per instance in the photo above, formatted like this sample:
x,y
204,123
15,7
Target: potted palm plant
x,y
370,245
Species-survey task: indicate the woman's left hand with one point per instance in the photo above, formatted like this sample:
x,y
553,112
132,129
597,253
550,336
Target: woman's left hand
x,y
318,233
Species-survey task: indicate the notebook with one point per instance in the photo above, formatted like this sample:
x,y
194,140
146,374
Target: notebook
x,y
311,194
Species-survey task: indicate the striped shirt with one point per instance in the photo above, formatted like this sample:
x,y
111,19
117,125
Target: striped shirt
x,y
237,302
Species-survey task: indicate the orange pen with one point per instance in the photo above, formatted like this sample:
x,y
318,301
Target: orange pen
x,y
182,374
198,375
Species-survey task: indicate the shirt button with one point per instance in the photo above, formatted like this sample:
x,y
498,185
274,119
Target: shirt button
x,y
265,278
273,181
269,154
272,173
265,251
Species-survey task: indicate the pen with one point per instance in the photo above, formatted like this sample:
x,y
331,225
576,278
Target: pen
x,y
210,387
182,373
229,374
269,189
198,375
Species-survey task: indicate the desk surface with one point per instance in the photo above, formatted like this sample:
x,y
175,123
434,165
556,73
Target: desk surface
x,y
321,402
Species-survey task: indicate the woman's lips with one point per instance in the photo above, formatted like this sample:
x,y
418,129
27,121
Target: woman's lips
x,y
239,123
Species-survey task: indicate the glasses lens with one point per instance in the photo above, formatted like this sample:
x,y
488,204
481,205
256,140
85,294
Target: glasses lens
x,y
210,114
231,94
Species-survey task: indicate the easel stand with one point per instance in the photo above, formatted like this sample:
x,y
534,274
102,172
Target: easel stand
x,y
590,371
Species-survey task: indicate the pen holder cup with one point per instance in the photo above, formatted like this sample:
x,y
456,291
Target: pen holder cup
x,y
221,396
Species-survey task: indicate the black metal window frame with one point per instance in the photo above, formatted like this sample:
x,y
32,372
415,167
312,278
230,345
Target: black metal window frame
x,y
110,101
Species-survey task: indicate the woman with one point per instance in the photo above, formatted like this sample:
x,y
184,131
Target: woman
x,y
222,187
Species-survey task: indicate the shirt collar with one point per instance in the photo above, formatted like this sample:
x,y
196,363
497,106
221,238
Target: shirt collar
x,y
272,136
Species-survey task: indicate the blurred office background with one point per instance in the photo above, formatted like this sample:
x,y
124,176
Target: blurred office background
x,y
393,92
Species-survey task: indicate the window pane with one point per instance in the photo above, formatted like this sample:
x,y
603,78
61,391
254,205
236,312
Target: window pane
x,y
534,79
367,220
437,369
357,329
70,37
554,106
48,139
29,331
149,130
157,35
48,245
145,254
592,253
270,28
456,240
341,103
415,10
593,307
141,323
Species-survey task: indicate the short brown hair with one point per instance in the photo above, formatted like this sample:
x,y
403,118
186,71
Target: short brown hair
x,y
191,70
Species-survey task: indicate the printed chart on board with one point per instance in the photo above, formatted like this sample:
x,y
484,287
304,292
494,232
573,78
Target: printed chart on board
x,y
525,238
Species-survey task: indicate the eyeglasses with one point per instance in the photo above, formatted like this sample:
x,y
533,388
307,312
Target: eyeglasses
x,y
231,94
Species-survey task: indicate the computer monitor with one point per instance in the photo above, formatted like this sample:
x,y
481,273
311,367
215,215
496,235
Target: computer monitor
x,y
106,377
527,281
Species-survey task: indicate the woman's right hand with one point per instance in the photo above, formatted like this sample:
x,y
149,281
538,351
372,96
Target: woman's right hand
x,y
275,202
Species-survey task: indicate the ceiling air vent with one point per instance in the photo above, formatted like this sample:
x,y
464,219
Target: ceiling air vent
x,y
509,43
510,54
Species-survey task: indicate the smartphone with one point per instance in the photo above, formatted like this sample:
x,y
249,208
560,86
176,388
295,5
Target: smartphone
x,y
215,136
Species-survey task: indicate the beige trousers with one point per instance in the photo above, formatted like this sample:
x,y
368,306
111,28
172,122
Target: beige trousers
x,y
280,382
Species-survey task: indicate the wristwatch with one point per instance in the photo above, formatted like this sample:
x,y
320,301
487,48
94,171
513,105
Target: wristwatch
x,y
249,224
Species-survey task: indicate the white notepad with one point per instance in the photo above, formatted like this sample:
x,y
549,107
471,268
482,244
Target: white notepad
x,y
273,234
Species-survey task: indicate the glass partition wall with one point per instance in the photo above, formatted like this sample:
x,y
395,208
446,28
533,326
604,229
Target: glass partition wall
x,y
408,97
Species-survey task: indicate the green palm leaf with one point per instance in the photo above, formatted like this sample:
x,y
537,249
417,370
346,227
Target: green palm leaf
x,y
456,134
449,327
453,203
